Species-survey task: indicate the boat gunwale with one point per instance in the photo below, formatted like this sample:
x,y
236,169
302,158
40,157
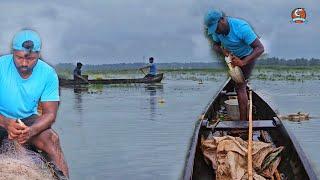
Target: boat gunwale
x,y
300,152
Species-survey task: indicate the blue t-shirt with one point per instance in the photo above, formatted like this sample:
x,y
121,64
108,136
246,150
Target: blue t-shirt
x,y
238,40
19,97
153,69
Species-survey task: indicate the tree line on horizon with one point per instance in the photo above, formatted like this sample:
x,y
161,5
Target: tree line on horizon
x,y
273,61
289,62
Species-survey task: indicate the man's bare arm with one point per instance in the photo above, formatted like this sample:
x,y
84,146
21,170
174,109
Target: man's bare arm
x,y
3,121
217,48
82,78
14,129
48,117
258,49
41,123
145,67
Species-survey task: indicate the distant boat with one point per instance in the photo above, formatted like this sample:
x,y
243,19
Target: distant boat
x,y
158,78
294,164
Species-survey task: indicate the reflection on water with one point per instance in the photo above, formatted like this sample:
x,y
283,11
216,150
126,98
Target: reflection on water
x,y
153,89
78,89
155,92
78,99
123,132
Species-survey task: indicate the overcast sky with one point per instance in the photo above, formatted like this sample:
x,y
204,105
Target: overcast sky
x,y
116,31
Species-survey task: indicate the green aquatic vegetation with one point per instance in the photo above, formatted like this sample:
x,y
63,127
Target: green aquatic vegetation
x,y
261,77
272,73
97,87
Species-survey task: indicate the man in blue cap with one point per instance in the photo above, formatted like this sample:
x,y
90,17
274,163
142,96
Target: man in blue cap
x,y
25,80
237,37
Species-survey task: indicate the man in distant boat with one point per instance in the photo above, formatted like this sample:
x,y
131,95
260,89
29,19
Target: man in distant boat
x,y
236,36
152,69
77,73
25,80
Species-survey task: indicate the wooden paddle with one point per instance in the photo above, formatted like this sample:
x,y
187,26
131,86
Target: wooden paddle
x,y
142,71
250,173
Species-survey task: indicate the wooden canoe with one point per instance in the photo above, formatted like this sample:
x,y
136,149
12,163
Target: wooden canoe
x,y
294,163
158,78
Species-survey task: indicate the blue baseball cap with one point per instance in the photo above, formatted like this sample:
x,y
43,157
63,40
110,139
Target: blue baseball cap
x,y
211,20
27,40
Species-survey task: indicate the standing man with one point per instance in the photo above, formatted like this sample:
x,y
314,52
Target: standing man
x,y
77,73
25,80
237,36
152,68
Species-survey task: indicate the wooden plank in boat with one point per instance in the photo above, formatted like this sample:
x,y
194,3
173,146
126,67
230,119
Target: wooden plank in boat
x,y
261,124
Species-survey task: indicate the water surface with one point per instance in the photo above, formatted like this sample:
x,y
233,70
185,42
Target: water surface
x,y
143,131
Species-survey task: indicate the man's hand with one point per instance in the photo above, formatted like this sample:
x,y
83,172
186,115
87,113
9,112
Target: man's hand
x,y
235,61
26,134
14,129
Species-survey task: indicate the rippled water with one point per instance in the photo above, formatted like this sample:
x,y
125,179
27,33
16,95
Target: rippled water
x,y
143,131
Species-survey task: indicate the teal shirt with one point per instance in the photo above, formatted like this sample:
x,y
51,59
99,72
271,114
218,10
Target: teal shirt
x,y
238,40
19,97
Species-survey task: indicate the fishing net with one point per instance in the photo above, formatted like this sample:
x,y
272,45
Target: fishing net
x,y
19,163
228,156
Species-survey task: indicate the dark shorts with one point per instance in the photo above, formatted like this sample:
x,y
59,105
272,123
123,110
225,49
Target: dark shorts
x,y
27,121
247,69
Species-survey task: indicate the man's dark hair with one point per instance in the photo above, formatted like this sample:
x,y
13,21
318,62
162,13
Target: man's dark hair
x,y
79,64
151,59
28,45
